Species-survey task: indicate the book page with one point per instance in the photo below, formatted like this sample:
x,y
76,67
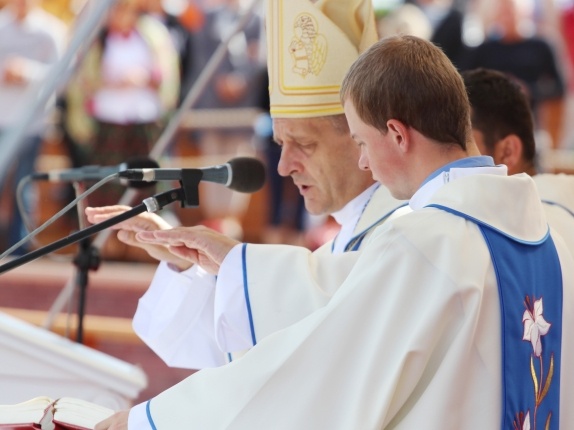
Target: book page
x,y
30,411
79,413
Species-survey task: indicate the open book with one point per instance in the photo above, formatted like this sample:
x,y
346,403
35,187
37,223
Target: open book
x,y
66,413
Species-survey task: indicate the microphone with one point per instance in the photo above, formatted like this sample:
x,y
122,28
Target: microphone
x,y
95,173
243,174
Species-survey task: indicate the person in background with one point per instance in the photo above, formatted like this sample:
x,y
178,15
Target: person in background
x,y
228,94
531,59
31,41
193,320
233,82
125,88
446,22
503,128
181,23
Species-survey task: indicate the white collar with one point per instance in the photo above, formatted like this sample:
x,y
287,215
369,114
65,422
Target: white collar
x,y
349,217
353,210
425,193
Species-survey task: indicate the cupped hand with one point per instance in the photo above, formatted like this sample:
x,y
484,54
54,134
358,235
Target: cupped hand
x,y
198,245
128,229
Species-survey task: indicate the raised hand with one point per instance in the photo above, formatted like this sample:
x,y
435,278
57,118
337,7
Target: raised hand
x,y
198,245
128,229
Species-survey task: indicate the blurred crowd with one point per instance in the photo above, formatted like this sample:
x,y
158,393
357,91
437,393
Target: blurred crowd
x,y
149,54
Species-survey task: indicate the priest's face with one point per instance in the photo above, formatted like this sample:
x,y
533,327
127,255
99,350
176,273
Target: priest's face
x,y
380,155
321,158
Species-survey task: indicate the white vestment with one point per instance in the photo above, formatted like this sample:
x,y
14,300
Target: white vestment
x,y
557,194
192,323
409,340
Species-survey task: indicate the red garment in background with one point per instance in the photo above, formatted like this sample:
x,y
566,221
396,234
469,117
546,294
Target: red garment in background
x,y
568,34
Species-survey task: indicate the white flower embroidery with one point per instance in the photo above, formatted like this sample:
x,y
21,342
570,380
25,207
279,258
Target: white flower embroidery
x,y
526,423
521,421
535,326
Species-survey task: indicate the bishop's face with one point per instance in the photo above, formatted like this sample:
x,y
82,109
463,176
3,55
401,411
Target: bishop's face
x,y
322,159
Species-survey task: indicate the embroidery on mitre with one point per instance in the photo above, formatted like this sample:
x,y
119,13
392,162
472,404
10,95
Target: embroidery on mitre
x,y
308,48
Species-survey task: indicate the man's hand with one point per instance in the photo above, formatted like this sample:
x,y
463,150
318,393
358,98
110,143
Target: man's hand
x,y
14,72
118,421
128,229
199,245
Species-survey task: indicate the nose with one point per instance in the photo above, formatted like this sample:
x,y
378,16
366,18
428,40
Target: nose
x,y
287,162
363,161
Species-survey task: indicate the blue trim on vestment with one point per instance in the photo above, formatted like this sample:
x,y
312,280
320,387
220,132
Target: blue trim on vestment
x,y
246,292
149,418
527,274
477,221
355,243
479,161
548,202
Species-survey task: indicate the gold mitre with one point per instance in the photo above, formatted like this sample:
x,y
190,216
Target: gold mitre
x,y
310,47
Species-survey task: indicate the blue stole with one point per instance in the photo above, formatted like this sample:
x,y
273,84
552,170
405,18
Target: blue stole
x,y
529,281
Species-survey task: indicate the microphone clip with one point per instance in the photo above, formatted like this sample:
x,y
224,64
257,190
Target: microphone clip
x,y
190,179
188,194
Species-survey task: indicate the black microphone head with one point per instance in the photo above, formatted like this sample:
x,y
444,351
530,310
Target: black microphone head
x,y
247,174
139,163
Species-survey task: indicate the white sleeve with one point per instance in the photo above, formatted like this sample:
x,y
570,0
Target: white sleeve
x,y
231,314
138,419
175,318
272,289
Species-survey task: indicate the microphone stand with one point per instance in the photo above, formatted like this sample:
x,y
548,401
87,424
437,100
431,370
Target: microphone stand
x,y
87,259
187,194
72,238
151,204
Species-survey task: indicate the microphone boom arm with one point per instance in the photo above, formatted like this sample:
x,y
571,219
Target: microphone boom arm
x,y
151,204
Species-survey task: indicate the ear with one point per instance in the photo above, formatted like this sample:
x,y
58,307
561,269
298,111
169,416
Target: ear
x,y
508,151
399,133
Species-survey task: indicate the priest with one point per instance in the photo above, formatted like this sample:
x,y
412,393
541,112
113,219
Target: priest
x,y
503,127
